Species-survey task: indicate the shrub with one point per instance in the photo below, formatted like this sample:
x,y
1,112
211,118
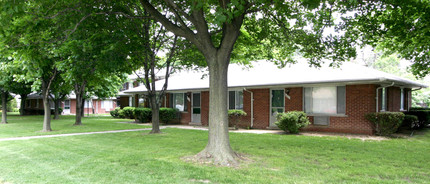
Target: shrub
x,y
143,115
168,114
410,121
15,110
115,112
385,123
423,116
121,114
129,112
292,121
234,117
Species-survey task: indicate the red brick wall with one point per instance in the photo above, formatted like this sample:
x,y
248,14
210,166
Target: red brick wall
x,y
186,115
245,122
295,103
261,108
360,100
72,106
205,107
97,106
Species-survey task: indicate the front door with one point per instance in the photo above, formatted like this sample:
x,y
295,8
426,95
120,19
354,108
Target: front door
x,y
277,104
196,112
66,109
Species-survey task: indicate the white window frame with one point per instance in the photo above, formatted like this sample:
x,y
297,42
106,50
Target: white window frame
x,y
173,101
236,105
88,104
66,105
107,104
336,102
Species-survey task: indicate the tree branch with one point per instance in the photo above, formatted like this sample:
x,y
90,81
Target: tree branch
x,y
180,31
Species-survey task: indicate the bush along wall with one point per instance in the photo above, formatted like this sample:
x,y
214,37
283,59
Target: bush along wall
x,y
423,115
234,117
115,112
167,115
292,121
129,112
411,122
385,123
144,115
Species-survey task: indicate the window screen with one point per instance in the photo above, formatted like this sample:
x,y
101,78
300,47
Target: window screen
x,y
341,97
325,100
231,99
278,98
235,100
177,100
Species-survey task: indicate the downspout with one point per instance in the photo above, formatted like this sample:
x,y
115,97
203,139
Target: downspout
x,y
252,106
377,95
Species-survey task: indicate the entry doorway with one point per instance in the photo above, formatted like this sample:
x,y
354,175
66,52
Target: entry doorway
x,y
196,108
66,109
277,104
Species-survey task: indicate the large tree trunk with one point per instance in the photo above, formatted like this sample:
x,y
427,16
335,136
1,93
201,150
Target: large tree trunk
x,y
57,108
155,115
78,116
46,108
79,92
4,95
218,149
83,107
22,106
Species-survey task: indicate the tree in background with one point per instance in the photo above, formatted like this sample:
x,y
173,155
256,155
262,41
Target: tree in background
x,y
396,26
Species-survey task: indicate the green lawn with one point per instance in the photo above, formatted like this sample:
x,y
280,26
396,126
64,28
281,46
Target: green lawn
x,y
20,126
137,157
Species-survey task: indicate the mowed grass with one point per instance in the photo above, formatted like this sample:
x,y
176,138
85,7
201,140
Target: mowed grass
x,y
139,157
19,126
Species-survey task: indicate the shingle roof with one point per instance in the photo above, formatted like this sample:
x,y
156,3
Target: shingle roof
x,y
267,74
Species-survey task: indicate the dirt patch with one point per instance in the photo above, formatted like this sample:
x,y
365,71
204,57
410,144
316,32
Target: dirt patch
x,y
242,161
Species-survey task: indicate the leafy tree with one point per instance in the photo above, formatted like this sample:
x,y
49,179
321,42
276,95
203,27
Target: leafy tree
x,y
147,40
32,40
397,26
224,30
59,91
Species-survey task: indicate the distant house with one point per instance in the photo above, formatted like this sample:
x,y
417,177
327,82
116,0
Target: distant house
x,y
335,99
34,105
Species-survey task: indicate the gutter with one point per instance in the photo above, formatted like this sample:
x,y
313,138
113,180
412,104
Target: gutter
x,y
377,95
252,106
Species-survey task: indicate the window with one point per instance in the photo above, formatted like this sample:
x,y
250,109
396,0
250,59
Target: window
x,y
235,100
384,99
125,86
177,100
67,104
28,103
402,99
142,100
88,104
37,103
107,104
325,100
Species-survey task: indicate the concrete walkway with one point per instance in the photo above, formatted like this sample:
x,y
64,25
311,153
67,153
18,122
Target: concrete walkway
x,y
187,127
254,131
71,134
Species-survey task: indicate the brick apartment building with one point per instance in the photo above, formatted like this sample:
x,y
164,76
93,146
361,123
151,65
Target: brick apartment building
x,y
335,99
